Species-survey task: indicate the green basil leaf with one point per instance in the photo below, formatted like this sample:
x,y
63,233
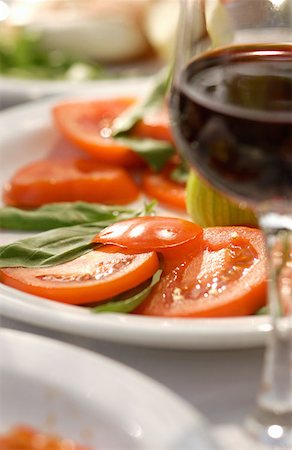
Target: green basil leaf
x,y
49,248
56,215
155,153
153,102
56,246
131,302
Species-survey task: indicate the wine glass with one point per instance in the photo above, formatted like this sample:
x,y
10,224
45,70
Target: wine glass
x,y
231,110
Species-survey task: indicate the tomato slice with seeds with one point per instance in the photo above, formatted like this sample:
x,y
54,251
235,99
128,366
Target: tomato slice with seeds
x,y
69,180
150,232
93,277
88,125
226,277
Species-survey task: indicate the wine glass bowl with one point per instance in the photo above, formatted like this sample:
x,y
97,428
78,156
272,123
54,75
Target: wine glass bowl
x,y
231,110
234,123
231,99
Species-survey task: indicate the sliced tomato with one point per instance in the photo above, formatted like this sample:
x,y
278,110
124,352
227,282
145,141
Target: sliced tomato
x,y
23,437
93,277
162,188
227,277
155,126
52,180
88,125
150,232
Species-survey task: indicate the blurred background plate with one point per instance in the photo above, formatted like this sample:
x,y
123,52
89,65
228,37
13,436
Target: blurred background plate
x,y
91,399
52,46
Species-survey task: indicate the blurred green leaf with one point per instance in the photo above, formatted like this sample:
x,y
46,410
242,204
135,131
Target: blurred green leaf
x,y
24,57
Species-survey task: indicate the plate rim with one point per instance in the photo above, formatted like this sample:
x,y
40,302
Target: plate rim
x,y
155,332
35,91
178,333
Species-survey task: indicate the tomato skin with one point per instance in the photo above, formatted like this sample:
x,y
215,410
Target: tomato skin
x,y
68,180
88,125
155,126
195,287
165,190
93,277
150,232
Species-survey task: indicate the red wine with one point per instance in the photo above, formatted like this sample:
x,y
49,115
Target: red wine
x,y
232,119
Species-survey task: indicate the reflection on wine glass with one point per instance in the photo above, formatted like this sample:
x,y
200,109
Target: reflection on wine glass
x,y
231,106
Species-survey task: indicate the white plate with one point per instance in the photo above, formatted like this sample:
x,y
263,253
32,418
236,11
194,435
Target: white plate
x,y
91,399
27,134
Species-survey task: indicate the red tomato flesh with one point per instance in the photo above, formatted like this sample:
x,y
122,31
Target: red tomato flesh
x,y
93,277
155,126
69,180
227,277
88,125
162,188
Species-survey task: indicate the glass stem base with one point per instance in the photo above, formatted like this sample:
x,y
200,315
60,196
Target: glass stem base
x,y
270,428
271,422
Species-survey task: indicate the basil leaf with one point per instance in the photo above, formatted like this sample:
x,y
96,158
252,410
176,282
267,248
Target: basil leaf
x,y
155,153
126,305
57,215
56,246
49,248
153,102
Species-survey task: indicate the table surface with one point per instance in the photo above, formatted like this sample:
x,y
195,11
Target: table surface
x,y
222,385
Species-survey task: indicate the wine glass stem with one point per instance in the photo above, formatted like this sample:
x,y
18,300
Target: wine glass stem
x,y
273,417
